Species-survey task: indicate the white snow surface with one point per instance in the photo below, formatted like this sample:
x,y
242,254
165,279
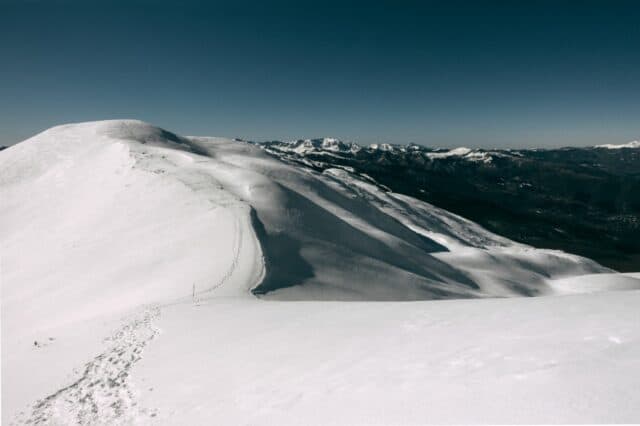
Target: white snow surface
x,y
107,228
595,283
632,144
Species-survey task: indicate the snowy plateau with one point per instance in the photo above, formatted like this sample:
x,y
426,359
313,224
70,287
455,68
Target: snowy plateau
x,y
152,278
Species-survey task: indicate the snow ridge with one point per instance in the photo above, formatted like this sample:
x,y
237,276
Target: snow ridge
x,y
220,181
122,216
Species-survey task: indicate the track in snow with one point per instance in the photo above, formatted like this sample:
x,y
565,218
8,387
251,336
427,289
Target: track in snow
x,y
104,393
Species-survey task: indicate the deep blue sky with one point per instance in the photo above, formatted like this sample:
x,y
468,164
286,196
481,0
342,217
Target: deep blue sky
x,y
493,74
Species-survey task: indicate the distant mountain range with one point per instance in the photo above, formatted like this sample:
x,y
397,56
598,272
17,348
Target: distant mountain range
x,y
581,200
632,144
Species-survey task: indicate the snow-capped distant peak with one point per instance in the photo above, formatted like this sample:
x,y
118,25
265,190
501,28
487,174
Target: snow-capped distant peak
x,y
303,146
381,146
456,152
332,144
336,147
632,144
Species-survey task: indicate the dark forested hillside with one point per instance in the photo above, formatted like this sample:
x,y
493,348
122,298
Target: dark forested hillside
x,y
582,200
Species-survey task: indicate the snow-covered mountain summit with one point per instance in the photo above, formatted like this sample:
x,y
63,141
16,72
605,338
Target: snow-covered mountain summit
x,y
132,258
137,214
329,235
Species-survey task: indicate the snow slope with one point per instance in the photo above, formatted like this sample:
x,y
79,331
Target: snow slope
x,y
107,229
595,283
564,359
98,220
346,238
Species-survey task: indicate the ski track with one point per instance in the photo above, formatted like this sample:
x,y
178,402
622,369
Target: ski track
x,y
237,247
195,177
104,393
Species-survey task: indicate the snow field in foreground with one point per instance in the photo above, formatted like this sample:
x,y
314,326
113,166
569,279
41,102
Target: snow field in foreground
x,y
560,359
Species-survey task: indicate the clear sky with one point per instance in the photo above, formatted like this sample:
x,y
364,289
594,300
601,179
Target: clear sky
x,y
447,73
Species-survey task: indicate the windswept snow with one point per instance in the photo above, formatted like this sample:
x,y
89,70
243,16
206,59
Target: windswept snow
x,y
108,227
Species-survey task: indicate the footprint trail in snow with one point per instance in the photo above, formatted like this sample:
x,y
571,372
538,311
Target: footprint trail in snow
x,y
104,393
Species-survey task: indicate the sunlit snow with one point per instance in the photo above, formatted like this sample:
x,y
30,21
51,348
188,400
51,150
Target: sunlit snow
x,y
153,278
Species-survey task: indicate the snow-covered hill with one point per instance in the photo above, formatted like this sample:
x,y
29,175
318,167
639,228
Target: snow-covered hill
x,y
108,226
129,198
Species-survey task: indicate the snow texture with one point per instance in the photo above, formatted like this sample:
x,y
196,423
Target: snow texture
x,y
129,259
